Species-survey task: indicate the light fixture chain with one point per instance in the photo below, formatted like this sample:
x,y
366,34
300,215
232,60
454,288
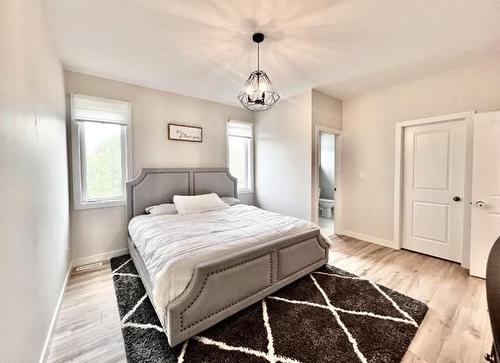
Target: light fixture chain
x,y
258,56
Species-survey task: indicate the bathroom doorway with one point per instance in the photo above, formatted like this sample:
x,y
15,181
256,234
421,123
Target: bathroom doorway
x,y
326,186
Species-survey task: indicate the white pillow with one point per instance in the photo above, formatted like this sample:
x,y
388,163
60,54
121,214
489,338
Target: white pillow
x,y
167,208
186,204
231,201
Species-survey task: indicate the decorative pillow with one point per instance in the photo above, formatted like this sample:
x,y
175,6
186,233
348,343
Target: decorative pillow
x,y
166,208
186,204
231,201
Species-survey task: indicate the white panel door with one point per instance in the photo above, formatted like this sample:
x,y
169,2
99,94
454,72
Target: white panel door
x,y
433,189
485,223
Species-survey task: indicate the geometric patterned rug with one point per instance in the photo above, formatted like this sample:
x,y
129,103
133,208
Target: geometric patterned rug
x,y
327,316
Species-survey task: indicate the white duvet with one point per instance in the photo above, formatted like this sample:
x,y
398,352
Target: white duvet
x,y
172,245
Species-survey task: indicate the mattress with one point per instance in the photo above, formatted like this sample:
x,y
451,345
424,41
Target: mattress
x,y
171,246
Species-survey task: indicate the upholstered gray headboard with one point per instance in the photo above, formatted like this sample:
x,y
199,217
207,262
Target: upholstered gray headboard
x,y
155,186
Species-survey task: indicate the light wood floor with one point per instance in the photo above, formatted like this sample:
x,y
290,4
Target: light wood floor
x,y
456,328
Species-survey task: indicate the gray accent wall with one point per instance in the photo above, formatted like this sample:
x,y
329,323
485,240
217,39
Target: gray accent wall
x,y
34,218
327,165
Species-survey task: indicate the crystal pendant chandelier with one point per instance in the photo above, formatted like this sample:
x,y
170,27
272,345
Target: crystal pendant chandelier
x,y
258,93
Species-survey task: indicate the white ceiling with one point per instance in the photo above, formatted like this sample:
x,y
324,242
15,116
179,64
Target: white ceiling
x,y
203,48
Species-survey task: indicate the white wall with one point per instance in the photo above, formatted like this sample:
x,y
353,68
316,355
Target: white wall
x,y
326,113
34,221
326,110
286,165
368,138
283,157
101,230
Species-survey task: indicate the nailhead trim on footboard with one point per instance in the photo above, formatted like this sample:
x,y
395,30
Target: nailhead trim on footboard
x,y
182,327
278,272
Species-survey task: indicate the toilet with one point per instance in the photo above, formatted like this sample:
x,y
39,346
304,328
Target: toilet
x,y
326,207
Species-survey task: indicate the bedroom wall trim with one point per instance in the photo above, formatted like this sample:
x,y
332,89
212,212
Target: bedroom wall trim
x,y
98,257
50,333
364,237
398,176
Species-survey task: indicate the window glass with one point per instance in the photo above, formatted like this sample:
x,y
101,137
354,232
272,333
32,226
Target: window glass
x,y
102,161
240,153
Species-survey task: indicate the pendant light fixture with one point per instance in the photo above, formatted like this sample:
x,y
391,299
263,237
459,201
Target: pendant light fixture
x,y
258,93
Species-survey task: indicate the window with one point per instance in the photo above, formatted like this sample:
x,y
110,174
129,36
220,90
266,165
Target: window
x,y
240,153
100,129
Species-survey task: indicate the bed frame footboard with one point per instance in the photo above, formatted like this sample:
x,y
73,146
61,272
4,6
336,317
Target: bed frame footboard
x,y
222,287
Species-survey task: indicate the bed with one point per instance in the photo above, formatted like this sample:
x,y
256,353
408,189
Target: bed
x,y
211,276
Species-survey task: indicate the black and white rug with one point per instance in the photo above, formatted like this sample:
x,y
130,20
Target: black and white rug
x,y
327,316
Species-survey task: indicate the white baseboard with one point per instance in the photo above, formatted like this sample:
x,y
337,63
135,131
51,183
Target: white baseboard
x,y
99,257
75,263
48,338
371,239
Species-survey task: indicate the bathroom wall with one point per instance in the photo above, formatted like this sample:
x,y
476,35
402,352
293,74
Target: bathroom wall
x,y
327,165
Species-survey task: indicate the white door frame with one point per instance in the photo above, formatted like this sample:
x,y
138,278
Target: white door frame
x,y
338,173
481,244
398,176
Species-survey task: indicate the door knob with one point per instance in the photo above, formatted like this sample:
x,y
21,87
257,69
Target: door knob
x,y
456,198
479,204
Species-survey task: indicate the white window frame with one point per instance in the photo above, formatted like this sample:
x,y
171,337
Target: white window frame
x,y
77,166
251,166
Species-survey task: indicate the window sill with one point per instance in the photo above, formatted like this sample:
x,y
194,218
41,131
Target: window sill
x,y
245,192
94,205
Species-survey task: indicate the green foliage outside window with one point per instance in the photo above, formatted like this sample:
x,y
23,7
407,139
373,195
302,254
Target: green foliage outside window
x,y
103,161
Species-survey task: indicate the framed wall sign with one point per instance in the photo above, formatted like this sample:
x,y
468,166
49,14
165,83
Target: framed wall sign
x,y
185,133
